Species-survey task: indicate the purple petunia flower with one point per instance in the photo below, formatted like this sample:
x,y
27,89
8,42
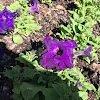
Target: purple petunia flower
x,y
85,52
7,12
78,84
99,0
58,54
34,8
2,51
6,21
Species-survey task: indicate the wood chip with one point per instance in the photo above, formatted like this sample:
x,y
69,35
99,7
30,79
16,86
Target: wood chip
x,y
50,33
73,0
60,7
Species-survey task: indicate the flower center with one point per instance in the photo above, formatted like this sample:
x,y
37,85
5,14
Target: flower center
x,y
60,52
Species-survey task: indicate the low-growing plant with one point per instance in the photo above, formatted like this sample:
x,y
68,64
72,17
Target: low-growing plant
x,y
32,82
89,7
98,92
24,23
80,28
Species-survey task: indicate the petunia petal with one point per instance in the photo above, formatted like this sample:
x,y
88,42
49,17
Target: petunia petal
x,y
84,52
43,52
33,9
9,24
51,45
67,44
50,64
46,41
67,56
45,59
2,30
87,51
8,13
59,63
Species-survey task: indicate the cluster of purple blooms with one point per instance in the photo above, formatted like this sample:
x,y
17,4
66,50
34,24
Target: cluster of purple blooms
x,y
59,54
7,21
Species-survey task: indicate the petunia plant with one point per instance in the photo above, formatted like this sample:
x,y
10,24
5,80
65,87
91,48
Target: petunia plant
x,y
80,27
33,82
22,23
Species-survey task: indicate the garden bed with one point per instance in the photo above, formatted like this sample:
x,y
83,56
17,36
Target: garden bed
x,y
50,18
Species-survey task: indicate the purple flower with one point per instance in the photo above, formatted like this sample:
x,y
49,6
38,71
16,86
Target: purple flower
x,y
34,8
99,0
2,51
78,84
58,54
85,52
6,21
8,13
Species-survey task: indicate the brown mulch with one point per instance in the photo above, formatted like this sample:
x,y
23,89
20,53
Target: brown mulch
x,y
50,18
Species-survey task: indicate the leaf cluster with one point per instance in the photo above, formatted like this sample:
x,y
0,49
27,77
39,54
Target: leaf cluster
x,y
98,92
80,27
32,82
24,23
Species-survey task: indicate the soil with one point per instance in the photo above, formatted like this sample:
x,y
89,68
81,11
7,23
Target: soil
x,y
50,18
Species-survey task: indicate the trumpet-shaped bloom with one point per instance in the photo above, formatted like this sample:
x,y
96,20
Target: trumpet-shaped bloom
x,y
34,8
85,52
58,54
6,21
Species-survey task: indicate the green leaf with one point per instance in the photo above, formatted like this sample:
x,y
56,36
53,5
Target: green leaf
x,y
89,86
13,73
50,94
17,96
29,73
81,20
14,7
83,95
29,90
98,12
79,96
78,4
75,16
1,7
36,97
59,89
16,89
8,73
80,27
87,59
17,39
